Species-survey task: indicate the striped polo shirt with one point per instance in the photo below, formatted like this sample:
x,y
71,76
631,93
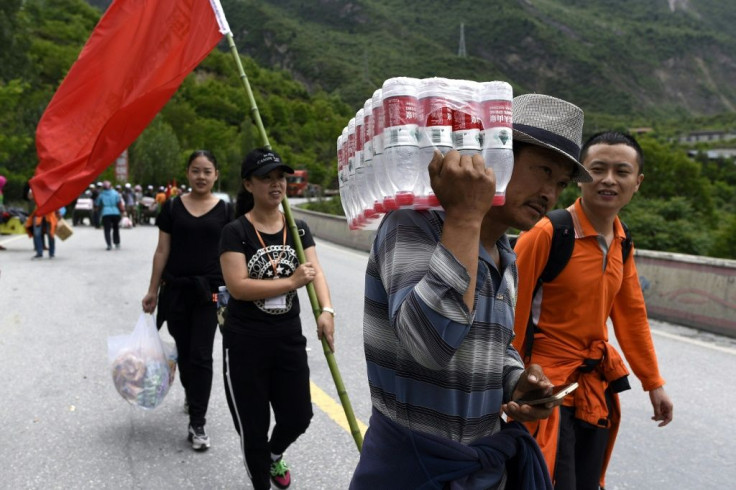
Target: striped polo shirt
x,y
434,366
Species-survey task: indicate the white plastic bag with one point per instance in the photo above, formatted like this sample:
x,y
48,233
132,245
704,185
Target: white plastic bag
x,y
143,366
126,223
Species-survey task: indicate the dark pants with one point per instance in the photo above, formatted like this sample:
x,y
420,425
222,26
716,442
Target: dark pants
x,y
193,328
112,222
580,453
260,374
38,233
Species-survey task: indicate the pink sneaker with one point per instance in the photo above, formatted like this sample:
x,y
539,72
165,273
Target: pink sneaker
x,y
280,475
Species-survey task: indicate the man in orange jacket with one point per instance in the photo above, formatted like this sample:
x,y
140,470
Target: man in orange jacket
x,y
570,336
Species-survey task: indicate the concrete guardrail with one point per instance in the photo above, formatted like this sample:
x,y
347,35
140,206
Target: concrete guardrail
x,y
691,290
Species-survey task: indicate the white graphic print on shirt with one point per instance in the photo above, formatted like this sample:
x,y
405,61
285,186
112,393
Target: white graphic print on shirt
x,y
259,267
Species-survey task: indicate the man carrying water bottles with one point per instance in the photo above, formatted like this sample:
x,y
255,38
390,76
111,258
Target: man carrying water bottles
x,y
439,317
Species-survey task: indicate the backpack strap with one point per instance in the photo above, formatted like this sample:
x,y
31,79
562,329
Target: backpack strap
x,y
627,243
563,243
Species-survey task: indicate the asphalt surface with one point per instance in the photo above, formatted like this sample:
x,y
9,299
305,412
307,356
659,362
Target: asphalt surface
x,y
64,426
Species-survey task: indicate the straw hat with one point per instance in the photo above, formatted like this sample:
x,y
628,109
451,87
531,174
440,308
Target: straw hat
x,y
551,123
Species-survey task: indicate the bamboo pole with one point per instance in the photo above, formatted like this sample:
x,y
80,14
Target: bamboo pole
x,y
316,310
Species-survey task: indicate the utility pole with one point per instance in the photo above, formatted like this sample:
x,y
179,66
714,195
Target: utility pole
x,y
461,48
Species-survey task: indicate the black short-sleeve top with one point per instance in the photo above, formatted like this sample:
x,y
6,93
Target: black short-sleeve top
x,y
261,317
194,240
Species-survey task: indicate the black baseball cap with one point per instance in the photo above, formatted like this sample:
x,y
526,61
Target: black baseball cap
x,y
261,161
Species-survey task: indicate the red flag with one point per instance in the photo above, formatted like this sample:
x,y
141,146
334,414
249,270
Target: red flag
x,y
133,62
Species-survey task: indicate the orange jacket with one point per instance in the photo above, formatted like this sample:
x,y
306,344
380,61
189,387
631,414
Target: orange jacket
x,y
572,313
33,219
561,363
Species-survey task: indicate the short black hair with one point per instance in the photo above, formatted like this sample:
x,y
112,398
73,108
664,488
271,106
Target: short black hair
x,y
614,138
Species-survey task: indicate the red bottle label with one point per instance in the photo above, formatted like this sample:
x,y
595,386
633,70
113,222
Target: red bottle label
x,y
436,111
496,113
400,111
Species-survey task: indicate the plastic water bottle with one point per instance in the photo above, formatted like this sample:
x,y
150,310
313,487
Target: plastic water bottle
x,y
383,191
341,174
360,195
223,296
351,191
400,141
370,189
466,123
497,142
435,133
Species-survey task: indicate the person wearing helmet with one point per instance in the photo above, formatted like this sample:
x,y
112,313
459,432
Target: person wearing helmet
x,y
131,205
161,196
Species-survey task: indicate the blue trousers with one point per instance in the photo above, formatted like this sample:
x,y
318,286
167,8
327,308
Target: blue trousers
x,y
38,232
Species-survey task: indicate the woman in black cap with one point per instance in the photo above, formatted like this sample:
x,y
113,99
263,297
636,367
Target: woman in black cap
x,y
264,350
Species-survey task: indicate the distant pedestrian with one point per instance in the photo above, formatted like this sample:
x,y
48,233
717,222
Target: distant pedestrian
x,y
161,197
39,227
109,203
95,190
3,180
131,205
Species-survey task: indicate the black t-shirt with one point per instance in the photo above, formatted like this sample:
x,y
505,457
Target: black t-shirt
x,y
194,240
259,317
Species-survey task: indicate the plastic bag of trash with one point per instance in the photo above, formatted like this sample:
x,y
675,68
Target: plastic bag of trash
x,y
143,366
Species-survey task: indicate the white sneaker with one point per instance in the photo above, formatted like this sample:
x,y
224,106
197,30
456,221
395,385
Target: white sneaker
x,y
199,438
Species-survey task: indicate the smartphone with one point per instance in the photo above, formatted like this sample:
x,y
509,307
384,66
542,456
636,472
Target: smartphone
x,y
538,397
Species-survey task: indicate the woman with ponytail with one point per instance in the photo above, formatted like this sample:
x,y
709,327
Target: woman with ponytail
x,y
264,350
184,277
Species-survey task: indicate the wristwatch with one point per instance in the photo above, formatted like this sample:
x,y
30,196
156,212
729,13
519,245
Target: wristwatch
x,y
329,310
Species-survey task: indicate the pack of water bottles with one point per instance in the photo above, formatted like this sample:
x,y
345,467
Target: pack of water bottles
x,y
383,153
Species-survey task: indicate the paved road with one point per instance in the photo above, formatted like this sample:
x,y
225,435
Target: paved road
x,y
65,426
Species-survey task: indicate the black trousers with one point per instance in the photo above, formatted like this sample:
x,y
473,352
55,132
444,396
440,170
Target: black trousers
x,y
263,374
193,327
580,452
111,222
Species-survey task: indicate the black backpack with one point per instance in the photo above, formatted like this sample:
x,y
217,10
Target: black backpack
x,y
563,242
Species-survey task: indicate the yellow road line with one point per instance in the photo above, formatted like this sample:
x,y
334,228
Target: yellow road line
x,y
333,409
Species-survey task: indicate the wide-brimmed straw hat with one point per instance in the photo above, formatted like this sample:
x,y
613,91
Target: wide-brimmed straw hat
x,y
551,123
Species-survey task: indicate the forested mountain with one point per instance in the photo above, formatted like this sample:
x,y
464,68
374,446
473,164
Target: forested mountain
x,y
665,65
623,57
647,59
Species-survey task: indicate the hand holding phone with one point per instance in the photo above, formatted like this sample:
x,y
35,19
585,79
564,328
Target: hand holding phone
x,y
539,397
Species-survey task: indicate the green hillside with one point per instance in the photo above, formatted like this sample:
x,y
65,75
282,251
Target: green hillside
x,y
623,58
628,65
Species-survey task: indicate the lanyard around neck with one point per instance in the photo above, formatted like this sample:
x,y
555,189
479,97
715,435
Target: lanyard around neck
x,y
274,263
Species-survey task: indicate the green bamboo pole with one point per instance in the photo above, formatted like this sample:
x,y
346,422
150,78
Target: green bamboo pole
x,y
316,310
